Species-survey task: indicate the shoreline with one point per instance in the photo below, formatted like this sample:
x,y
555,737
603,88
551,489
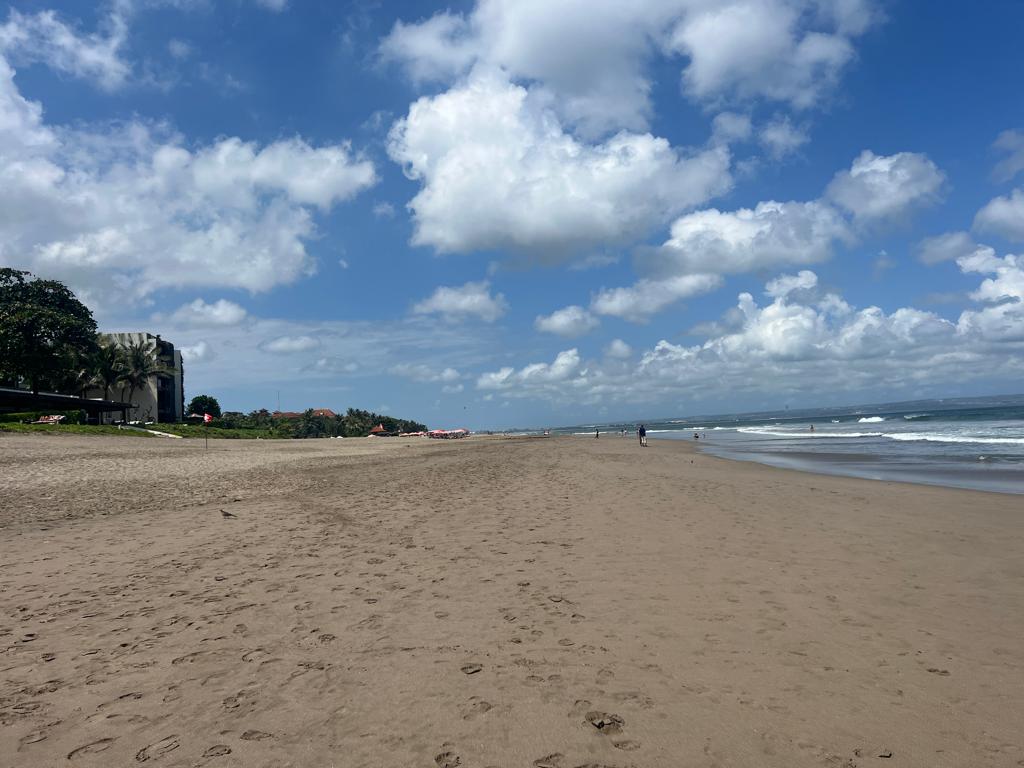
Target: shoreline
x,y
861,467
497,602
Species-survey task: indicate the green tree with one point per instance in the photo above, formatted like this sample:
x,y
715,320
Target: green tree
x,y
44,328
204,404
108,364
140,364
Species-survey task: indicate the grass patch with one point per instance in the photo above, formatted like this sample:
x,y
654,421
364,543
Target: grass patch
x,y
196,430
72,429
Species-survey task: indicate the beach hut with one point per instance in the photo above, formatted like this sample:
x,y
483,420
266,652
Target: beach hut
x,y
378,430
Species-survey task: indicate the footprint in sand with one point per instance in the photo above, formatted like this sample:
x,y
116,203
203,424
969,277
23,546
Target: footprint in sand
x,y
477,707
471,669
627,745
256,735
553,760
31,738
95,746
217,750
447,760
158,749
605,722
937,671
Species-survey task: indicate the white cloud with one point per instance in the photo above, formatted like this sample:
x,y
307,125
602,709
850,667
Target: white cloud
x,y
1003,216
452,389
770,235
196,353
463,302
535,375
728,127
593,56
498,171
618,349
805,341
286,345
884,187
782,50
1010,143
383,210
569,322
425,373
273,5
1003,320
785,285
946,247
198,313
43,37
124,210
781,138
647,297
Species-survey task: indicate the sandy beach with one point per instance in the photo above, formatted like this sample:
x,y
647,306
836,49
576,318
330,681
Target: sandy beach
x,y
552,602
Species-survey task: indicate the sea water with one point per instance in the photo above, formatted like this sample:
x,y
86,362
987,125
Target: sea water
x,y
970,443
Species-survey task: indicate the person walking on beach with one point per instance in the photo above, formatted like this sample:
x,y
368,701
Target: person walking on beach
x,y
642,433
597,433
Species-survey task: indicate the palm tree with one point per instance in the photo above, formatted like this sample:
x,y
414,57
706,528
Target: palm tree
x,y
140,363
107,365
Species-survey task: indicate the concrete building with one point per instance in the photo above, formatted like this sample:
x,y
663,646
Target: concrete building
x,y
162,398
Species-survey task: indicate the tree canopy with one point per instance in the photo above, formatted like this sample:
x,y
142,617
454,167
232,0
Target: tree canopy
x,y
46,333
204,404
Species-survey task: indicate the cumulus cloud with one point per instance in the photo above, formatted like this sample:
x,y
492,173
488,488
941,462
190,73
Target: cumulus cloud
x,y
781,138
463,302
618,349
770,235
763,48
1003,216
708,243
286,345
594,55
498,171
124,210
647,297
804,340
1010,144
535,375
946,247
196,353
425,373
198,313
569,322
878,188
44,38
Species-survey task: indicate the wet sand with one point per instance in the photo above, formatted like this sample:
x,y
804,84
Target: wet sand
x,y
534,602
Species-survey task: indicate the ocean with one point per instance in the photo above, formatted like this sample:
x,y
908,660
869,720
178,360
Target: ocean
x,y
961,442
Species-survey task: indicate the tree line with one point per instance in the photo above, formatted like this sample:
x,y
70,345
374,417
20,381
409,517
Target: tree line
x,y
49,342
353,423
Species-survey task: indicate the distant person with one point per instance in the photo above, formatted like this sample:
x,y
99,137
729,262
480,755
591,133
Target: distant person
x,y
696,436
812,427
642,433
597,433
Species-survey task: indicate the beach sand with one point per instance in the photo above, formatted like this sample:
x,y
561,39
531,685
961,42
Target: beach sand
x,y
496,602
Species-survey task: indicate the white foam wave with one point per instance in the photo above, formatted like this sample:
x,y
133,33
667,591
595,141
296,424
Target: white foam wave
x,y
937,437
777,433
870,419
912,416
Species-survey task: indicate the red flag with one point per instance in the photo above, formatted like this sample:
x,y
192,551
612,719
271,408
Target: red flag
x,y
207,418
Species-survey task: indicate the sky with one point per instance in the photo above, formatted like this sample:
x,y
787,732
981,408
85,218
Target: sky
x,y
503,213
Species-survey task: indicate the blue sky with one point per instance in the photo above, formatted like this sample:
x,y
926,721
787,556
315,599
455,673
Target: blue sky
x,y
516,212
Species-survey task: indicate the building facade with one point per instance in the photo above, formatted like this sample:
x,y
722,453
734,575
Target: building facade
x,y
162,397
